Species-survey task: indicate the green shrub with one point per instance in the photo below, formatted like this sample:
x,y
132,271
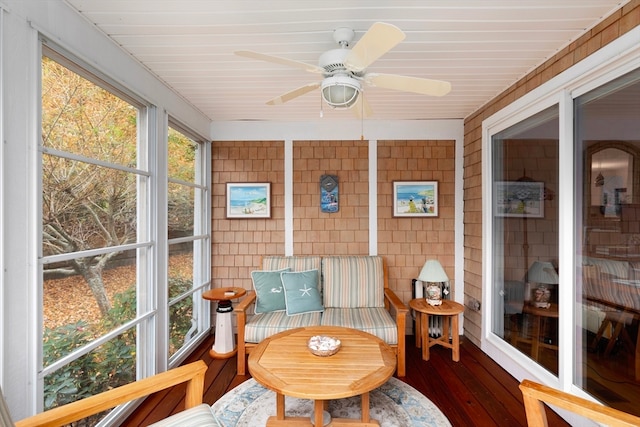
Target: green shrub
x,y
180,313
75,380
112,364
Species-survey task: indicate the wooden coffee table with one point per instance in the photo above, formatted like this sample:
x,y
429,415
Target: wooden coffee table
x,y
284,364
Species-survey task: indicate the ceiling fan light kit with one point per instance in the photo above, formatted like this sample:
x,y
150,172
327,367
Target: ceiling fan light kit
x,y
340,91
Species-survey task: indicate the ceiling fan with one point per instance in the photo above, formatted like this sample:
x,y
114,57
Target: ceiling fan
x,y
344,70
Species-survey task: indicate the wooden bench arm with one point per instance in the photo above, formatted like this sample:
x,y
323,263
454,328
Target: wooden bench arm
x,y
535,395
246,302
192,374
397,304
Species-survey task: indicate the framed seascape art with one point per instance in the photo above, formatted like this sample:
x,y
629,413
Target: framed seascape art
x,y
249,200
415,198
519,199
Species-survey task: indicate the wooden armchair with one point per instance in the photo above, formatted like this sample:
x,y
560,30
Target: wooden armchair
x,y
192,374
536,395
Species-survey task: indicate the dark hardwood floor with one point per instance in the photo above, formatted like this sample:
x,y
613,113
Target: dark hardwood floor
x,y
473,392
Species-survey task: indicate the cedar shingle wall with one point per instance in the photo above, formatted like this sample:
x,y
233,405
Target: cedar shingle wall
x,y
611,28
405,242
345,232
238,243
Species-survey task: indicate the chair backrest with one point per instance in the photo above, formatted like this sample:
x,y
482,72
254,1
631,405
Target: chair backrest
x,y
535,395
295,263
353,281
192,374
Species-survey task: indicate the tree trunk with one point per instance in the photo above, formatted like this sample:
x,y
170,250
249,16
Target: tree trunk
x,y
93,276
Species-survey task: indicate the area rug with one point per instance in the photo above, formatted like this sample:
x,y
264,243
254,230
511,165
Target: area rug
x,y
394,404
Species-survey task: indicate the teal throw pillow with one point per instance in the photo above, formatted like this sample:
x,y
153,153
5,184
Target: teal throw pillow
x,y
301,292
269,290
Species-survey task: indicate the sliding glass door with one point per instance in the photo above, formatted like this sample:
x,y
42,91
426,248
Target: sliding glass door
x,y
525,227
607,187
563,263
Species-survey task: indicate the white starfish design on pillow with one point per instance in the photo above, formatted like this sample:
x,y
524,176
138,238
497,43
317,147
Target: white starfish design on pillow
x,y
306,290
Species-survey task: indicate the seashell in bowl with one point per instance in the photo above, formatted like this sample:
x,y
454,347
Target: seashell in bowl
x,y
321,345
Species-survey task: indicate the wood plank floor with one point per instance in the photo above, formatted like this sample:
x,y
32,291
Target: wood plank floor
x,y
475,391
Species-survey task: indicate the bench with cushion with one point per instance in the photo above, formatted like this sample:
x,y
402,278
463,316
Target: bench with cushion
x,y
348,291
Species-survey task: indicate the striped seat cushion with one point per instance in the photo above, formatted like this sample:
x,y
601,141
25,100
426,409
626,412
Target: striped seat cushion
x,y
353,281
200,416
374,320
263,325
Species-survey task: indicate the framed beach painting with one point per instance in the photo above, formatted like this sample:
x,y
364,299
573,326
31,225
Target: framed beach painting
x,y
249,200
524,199
415,198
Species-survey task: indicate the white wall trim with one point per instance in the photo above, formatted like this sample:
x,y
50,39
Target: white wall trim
x,y
325,130
373,197
288,197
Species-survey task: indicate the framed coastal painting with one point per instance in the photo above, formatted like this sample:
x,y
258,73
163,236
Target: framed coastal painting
x,y
524,199
415,198
248,200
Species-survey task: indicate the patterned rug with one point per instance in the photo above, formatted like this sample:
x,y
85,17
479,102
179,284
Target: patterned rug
x,y
394,404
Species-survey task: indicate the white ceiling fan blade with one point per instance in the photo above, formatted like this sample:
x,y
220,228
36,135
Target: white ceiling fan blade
x,y
377,41
361,108
286,97
279,60
409,84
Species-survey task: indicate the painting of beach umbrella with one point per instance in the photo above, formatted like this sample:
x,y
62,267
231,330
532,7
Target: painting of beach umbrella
x,y
415,198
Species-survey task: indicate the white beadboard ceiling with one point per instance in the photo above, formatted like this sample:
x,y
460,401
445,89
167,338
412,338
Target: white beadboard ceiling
x,y
480,46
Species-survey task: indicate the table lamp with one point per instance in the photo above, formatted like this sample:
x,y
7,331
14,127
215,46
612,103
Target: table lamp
x,y
543,274
433,275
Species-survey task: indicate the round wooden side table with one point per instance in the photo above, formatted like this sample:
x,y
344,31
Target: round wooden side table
x,y
449,310
224,345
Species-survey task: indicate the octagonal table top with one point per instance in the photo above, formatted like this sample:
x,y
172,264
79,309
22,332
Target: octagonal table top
x,y
284,364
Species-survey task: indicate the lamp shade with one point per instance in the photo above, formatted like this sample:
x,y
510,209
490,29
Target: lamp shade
x,y
432,271
543,272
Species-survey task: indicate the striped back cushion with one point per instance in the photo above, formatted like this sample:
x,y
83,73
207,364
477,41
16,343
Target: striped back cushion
x,y
295,263
353,281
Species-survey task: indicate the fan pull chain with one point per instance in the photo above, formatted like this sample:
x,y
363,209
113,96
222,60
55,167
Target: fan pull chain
x,y
362,117
321,111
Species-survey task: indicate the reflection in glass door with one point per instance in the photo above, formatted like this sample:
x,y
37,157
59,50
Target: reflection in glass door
x,y
608,248
525,224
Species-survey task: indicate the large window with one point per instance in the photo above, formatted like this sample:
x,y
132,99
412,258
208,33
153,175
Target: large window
x,y
188,237
91,244
122,269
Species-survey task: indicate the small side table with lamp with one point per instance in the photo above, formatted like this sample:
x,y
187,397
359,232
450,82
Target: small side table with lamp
x,y
541,277
542,274
434,276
